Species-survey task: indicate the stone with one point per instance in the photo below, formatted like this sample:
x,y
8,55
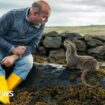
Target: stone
x,y
41,50
80,45
52,42
100,37
52,33
100,50
94,42
72,35
57,56
48,74
88,37
43,75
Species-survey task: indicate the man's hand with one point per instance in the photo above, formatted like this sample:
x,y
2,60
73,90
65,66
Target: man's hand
x,y
19,50
9,60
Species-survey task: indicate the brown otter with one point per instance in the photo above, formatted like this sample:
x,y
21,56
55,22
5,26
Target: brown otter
x,y
84,63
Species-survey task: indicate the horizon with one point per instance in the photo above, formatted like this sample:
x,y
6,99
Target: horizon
x,y
80,25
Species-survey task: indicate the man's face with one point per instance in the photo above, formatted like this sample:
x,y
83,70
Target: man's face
x,y
37,17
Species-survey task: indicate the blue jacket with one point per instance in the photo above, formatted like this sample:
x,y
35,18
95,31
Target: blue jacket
x,y
16,30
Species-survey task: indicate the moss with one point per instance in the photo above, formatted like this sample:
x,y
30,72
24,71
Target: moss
x,y
41,103
40,59
44,59
79,95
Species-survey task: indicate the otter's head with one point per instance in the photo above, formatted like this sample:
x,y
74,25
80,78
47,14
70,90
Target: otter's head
x,y
67,44
70,46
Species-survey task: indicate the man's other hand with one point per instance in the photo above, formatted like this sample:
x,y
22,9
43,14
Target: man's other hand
x,y
19,50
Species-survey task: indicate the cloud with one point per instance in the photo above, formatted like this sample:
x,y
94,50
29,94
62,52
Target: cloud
x,y
78,12
66,12
86,2
14,4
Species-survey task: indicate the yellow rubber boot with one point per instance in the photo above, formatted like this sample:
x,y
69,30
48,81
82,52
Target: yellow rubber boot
x,y
13,81
4,92
101,71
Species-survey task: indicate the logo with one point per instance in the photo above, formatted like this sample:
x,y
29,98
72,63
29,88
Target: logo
x,y
7,93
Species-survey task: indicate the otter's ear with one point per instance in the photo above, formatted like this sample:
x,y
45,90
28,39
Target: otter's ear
x,y
66,39
70,39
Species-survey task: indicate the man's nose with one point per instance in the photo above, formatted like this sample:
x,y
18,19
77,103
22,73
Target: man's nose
x,y
44,20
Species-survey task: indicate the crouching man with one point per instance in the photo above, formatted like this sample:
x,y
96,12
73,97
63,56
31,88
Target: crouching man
x,y
20,33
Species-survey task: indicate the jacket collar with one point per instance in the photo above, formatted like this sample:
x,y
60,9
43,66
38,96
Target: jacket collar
x,y
27,12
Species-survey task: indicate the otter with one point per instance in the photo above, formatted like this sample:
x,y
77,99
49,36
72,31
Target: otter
x,y
84,63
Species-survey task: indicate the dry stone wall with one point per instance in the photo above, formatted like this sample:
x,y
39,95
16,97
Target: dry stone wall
x,y
52,47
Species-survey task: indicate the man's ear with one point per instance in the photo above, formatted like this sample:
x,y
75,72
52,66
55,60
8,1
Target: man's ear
x,y
34,11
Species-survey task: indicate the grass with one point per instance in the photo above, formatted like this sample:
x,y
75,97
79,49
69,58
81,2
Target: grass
x,y
92,29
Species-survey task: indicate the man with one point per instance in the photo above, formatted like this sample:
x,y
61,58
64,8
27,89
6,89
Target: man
x,y
20,33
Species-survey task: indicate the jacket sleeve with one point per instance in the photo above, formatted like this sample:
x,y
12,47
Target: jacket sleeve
x,y
6,22
34,43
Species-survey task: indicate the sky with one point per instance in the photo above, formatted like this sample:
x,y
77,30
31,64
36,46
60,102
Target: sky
x,y
65,12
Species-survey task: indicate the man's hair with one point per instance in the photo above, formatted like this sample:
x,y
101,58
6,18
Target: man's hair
x,y
36,5
41,5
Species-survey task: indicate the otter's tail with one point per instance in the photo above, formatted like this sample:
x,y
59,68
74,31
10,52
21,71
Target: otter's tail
x,y
83,79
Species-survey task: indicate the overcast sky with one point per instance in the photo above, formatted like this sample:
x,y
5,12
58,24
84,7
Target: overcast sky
x,y
65,12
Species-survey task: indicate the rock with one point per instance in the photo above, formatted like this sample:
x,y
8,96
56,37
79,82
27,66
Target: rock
x,y
91,41
88,44
57,56
102,64
52,42
42,50
100,50
52,33
80,45
100,37
43,75
88,37
94,42
72,35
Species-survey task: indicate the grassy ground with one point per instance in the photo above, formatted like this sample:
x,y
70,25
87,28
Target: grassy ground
x,y
93,29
